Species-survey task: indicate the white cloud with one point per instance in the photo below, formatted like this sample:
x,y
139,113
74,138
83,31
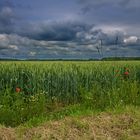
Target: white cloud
x,y
110,29
14,47
131,40
32,53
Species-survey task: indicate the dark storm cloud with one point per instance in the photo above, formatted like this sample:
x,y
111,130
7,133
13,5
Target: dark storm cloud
x,y
55,31
70,31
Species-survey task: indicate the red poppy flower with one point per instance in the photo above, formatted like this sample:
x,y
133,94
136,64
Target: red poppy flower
x,y
18,89
126,73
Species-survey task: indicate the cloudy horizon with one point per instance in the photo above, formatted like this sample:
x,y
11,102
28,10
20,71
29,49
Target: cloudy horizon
x,y
69,29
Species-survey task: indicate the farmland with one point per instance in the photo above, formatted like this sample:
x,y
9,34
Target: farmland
x,y
31,90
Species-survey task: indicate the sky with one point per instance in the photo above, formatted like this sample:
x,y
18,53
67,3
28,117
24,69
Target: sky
x,y
69,29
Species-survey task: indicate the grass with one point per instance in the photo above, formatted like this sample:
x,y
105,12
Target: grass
x,y
122,123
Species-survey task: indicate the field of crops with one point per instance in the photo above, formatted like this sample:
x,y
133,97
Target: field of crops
x,y
36,87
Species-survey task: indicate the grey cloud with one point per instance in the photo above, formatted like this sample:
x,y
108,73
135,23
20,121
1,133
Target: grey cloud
x,y
84,44
34,37
124,2
6,19
70,31
54,31
122,12
129,3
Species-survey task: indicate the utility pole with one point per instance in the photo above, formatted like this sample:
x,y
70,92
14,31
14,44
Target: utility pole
x,y
116,45
100,48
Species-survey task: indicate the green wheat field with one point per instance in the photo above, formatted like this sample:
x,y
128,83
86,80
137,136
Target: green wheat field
x,y
33,93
